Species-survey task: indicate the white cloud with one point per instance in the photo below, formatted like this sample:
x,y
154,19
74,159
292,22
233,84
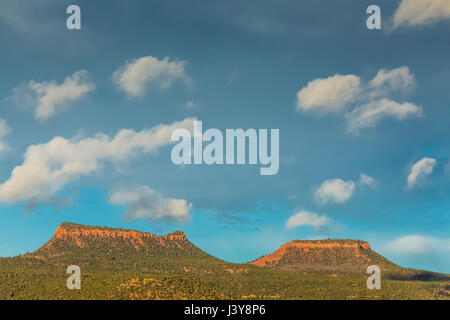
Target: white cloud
x,y
305,218
144,202
340,93
395,79
339,191
50,166
328,95
419,170
4,131
136,76
368,181
421,12
336,190
368,116
47,98
417,244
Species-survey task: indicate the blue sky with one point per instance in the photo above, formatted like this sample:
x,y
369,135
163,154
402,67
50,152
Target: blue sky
x,y
310,69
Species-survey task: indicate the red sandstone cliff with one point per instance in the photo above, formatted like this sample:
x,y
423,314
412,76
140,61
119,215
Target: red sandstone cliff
x,y
322,254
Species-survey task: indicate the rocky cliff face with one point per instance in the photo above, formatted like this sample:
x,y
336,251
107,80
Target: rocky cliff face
x,y
71,236
129,251
322,254
71,232
119,247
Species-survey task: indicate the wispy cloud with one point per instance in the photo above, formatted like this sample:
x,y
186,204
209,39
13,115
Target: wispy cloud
x,y
417,245
399,79
21,15
48,98
234,76
5,130
190,105
367,181
144,202
413,13
369,115
420,170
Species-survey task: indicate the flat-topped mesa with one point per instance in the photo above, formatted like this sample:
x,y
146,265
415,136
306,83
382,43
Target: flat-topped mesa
x,y
329,243
317,252
176,235
78,233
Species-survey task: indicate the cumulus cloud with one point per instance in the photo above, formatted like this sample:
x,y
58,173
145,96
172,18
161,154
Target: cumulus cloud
x,y
144,202
136,76
368,116
419,170
328,95
368,181
369,102
421,12
335,190
417,244
48,98
48,167
305,218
